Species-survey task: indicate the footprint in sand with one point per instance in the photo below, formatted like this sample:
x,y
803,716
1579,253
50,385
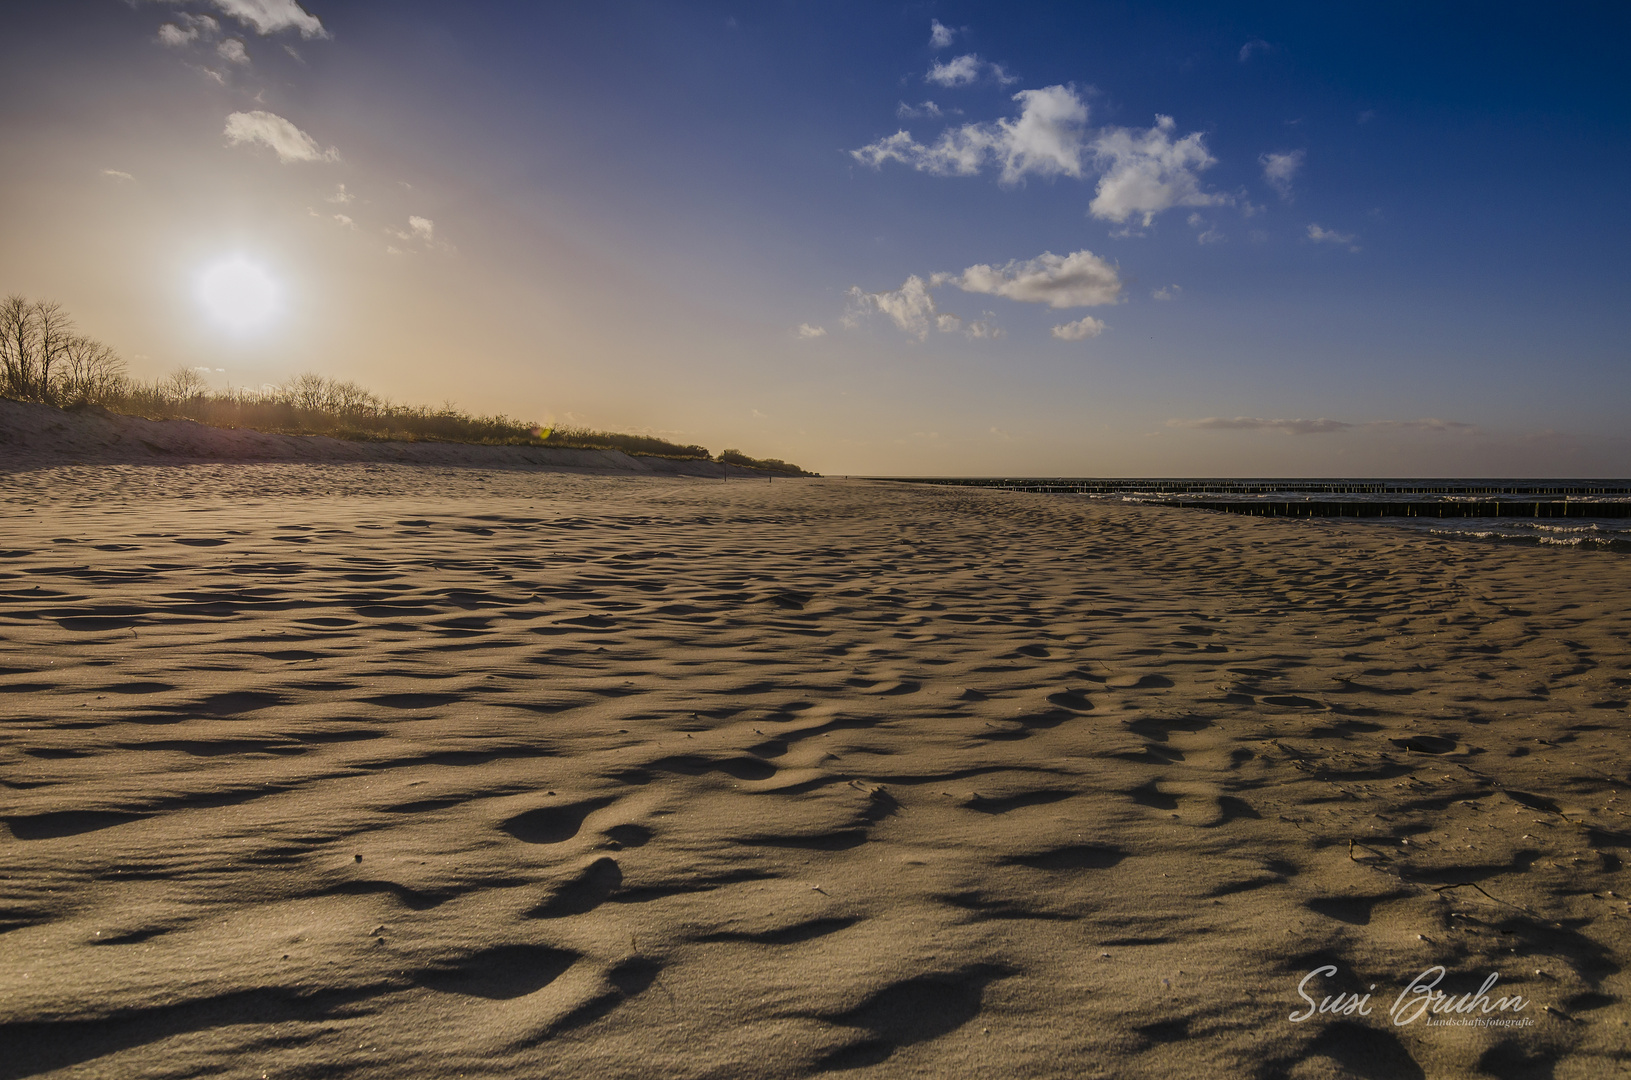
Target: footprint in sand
x,y
1138,682
501,973
592,886
552,824
911,1011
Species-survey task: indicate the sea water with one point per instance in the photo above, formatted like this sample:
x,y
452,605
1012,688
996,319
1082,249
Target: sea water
x,y
1598,512
1599,534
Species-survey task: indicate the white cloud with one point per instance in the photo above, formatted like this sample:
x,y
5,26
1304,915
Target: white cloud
x,y
1142,171
1080,279
1325,426
1331,236
174,36
910,306
421,230
341,195
1322,426
984,328
1280,168
233,50
117,175
345,220
1147,171
271,130
1253,47
939,36
960,152
965,71
960,71
810,333
187,29
1079,330
1431,423
1167,292
271,16
908,112
1047,138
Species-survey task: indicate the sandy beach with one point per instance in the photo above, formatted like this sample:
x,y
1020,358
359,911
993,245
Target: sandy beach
x,y
384,770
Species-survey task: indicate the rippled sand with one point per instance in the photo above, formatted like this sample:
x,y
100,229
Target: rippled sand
x,y
389,771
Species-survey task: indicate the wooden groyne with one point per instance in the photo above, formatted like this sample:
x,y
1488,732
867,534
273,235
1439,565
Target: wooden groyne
x,y
1447,508
1324,498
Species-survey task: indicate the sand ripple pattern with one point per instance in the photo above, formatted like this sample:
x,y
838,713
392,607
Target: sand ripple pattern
x,y
382,771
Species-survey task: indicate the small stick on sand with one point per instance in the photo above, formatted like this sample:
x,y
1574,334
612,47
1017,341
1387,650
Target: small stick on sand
x,y
1480,888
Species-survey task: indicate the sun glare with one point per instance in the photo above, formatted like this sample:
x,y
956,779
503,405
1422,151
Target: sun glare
x,y
238,294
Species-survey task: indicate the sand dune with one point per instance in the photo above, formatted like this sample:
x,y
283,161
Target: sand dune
x,y
385,771
41,436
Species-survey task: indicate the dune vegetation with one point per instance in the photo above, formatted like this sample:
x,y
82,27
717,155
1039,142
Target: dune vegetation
x,y
44,359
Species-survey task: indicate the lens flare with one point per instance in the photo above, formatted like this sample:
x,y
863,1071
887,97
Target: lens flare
x,y
238,294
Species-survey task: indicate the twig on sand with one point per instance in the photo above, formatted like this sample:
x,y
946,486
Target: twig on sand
x,y
656,978
1480,888
1352,844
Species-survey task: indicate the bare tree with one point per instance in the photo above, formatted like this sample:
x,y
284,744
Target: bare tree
x,y
53,330
308,390
17,346
348,397
183,384
90,371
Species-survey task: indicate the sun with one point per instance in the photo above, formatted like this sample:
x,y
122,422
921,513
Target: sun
x,y
239,295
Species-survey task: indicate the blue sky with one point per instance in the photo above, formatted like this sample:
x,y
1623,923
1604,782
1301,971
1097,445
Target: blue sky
x,y
1087,239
